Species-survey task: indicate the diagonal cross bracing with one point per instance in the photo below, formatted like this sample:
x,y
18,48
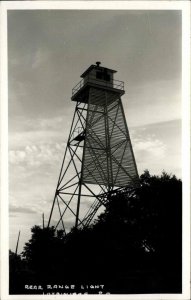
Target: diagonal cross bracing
x,y
98,155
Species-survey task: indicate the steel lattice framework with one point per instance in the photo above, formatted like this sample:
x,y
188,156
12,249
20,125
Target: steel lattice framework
x,y
99,158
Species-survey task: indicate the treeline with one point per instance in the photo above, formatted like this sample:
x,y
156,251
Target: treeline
x,y
135,246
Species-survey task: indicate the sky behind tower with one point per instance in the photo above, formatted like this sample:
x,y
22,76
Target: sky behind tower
x,y
48,50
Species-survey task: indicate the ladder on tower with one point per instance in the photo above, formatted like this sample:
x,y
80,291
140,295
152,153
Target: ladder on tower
x,y
98,202
91,213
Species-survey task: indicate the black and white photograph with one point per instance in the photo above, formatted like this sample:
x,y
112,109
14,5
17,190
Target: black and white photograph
x,y
95,139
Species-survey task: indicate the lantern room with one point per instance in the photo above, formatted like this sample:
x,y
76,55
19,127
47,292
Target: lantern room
x,y
98,75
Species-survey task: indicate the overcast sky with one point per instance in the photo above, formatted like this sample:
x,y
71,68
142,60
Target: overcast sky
x,y
47,53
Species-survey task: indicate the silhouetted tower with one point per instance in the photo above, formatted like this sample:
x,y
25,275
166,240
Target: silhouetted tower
x,y
99,158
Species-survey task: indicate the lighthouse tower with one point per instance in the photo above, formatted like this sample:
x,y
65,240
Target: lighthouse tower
x,y
99,159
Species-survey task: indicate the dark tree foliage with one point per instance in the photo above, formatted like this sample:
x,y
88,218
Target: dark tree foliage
x,y
38,251
135,246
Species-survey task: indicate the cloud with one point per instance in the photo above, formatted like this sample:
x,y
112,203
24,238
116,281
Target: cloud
x,y
150,146
150,153
36,155
50,39
157,147
24,124
21,209
37,131
153,102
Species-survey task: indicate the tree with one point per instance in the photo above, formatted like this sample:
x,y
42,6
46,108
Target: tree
x,y
137,239
39,249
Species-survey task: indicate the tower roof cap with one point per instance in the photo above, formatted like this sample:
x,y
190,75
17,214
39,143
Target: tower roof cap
x,y
98,67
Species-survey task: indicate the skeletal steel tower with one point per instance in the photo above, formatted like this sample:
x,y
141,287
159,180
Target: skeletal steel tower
x,y
99,158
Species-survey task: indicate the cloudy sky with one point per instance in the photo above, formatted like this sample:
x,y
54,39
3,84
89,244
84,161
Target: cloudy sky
x,y
47,53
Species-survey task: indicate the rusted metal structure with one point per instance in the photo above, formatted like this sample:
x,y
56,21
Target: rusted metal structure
x,y
99,159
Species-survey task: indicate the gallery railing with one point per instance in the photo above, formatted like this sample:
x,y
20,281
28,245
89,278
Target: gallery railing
x,y
116,84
